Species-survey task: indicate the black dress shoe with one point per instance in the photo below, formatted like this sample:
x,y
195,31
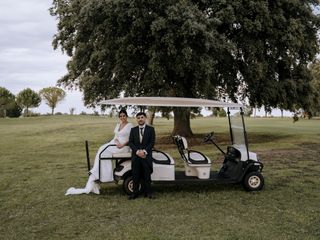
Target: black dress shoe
x,y
150,196
132,197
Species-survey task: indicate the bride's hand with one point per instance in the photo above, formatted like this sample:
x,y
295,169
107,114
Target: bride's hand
x,y
119,145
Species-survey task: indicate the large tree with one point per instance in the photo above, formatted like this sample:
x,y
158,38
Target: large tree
x,y
52,96
28,98
254,49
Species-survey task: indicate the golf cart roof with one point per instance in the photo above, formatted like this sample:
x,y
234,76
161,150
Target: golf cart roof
x,y
168,102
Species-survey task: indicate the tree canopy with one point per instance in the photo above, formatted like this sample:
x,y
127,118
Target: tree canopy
x,y
249,49
28,98
52,96
7,101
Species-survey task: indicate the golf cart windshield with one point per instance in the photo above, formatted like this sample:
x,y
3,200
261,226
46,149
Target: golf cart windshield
x,y
237,129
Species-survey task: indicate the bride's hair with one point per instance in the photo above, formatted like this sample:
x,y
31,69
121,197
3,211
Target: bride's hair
x,y
123,111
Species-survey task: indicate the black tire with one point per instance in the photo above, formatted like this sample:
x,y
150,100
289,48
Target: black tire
x,y
128,185
253,181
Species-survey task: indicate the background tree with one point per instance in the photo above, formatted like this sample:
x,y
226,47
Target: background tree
x,y
52,96
72,110
252,49
28,98
218,112
14,111
7,101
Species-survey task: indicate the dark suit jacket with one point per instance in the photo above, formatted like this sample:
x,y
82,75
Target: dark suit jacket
x,y
147,143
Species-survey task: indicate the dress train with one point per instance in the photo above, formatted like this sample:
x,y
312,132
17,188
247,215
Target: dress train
x,y
91,186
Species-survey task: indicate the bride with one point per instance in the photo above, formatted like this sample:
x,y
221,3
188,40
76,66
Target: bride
x,y
120,140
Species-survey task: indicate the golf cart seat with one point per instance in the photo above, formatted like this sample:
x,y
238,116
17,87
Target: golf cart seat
x,y
122,155
196,163
160,157
163,166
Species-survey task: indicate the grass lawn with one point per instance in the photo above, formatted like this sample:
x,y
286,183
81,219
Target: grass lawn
x,y
40,158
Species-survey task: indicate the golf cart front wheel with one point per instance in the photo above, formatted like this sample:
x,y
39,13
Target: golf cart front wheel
x,y
253,181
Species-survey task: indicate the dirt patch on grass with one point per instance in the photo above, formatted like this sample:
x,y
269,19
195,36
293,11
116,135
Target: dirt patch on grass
x,y
195,140
221,138
265,138
302,154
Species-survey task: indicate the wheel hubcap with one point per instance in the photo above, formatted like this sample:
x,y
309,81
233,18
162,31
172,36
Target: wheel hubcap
x,y
254,181
130,186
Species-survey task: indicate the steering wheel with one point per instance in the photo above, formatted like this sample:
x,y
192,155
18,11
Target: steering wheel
x,y
174,138
208,137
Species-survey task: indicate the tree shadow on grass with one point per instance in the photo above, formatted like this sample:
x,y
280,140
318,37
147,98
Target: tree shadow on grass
x,y
162,189
196,188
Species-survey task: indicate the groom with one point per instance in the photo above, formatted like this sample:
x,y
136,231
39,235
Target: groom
x,y
141,142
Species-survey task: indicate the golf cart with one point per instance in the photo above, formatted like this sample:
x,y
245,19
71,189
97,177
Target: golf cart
x,y
239,166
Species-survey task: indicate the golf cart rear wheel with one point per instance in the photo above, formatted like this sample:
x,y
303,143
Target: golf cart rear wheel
x,y
128,185
253,181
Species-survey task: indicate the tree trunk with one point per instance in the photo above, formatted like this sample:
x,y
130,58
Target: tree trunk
x,y
281,113
182,122
151,115
52,111
27,113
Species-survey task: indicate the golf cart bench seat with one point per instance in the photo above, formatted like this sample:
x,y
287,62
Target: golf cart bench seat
x,y
122,155
163,164
158,157
196,163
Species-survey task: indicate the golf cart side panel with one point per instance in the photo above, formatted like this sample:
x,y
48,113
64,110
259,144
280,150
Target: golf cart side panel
x,y
161,172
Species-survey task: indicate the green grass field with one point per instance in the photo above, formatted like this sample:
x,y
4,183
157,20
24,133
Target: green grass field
x,y
40,158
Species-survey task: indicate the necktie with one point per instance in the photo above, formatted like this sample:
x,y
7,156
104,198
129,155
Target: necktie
x,y
141,134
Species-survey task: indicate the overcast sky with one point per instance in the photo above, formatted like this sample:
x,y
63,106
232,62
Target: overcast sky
x,y
27,58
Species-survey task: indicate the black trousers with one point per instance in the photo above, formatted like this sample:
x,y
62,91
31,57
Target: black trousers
x,y
141,173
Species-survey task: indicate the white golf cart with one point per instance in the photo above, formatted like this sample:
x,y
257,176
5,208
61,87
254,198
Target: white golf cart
x,y
239,166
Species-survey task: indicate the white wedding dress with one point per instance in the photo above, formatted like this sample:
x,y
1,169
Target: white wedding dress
x,y
106,173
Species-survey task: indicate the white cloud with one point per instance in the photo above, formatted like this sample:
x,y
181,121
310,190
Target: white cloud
x,y
27,58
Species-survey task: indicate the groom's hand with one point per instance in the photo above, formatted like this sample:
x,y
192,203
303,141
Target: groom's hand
x,y
141,153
